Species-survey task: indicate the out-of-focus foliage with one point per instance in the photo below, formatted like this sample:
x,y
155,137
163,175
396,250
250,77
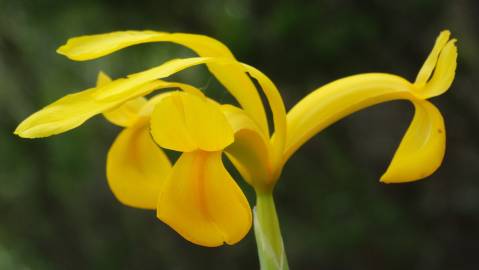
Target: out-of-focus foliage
x,y
57,211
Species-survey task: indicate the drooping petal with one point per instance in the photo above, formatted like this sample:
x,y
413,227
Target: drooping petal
x,y
202,202
185,122
417,156
136,168
233,78
250,153
422,148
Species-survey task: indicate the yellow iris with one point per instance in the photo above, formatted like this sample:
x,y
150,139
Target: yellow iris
x,y
196,196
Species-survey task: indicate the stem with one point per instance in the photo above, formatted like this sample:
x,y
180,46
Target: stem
x,y
268,234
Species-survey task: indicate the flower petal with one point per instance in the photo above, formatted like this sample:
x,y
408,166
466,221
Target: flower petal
x,y
233,78
250,153
422,148
73,110
336,100
136,168
202,202
278,110
444,72
186,122
125,114
427,68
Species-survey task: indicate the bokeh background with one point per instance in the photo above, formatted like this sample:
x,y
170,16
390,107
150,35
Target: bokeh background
x,y
56,211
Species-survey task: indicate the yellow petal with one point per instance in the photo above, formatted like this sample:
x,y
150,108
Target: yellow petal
x,y
422,149
250,152
278,111
71,111
336,100
444,72
74,109
202,202
127,113
136,168
426,70
233,78
185,122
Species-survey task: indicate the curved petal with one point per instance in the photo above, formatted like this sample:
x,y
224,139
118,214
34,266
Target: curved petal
x,y
202,202
185,123
338,99
422,148
136,168
250,152
234,79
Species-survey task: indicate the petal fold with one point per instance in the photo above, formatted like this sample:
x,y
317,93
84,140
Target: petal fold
x,y
203,203
185,123
136,168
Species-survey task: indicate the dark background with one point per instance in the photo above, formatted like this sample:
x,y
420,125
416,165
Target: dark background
x,y
56,211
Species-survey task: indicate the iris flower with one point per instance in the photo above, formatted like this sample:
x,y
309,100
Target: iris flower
x,y
197,196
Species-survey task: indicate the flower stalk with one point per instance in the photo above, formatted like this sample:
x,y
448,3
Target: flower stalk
x,y
271,253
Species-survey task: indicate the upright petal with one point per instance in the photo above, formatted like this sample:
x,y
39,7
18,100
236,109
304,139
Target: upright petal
x,y
202,202
185,122
428,67
233,78
136,168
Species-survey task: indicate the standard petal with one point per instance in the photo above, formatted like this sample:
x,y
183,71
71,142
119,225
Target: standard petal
x,y
233,78
202,202
422,148
136,168
186,122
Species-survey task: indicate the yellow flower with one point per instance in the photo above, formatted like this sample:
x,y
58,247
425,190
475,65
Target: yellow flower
x,y
197,197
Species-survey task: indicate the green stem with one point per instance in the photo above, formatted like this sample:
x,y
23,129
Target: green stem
x,y
268,234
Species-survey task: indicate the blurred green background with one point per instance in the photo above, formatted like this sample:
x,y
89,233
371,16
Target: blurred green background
x,y
58,213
